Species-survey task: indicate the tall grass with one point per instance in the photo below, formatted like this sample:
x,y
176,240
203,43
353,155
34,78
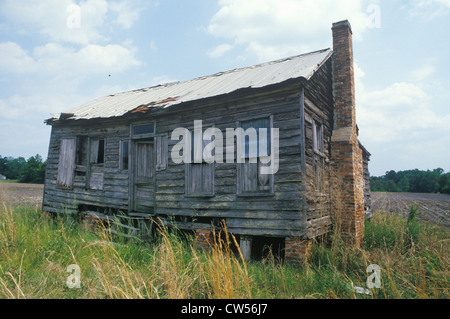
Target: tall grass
x,y
35,251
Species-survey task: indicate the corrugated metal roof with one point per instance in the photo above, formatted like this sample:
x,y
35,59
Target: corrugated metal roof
x,y
258,76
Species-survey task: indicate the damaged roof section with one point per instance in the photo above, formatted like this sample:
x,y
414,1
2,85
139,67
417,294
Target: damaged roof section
x,y
163,96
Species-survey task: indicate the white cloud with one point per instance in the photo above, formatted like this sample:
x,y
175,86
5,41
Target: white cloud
x,y
127,13
401,125
398,113
276,28
14,59
430,8
50,18
220,50
54,59
61,21
422,73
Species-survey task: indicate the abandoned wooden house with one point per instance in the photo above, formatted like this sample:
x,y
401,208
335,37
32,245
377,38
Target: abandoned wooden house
x,y
115,154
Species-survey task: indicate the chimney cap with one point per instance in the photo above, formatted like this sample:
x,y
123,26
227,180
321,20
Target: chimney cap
x,y
342,24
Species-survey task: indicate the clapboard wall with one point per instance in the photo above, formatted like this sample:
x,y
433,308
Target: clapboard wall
x,y
291,208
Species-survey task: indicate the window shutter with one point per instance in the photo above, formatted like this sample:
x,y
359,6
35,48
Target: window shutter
x,y
257,125
162,153
66,164
93,151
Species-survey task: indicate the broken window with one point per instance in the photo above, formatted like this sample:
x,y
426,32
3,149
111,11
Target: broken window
x,y
81,160
124,155
97,160
317,130
144,129
256,152
66,163
97,151
82,150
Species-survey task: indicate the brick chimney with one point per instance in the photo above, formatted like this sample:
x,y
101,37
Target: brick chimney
x,y
346,153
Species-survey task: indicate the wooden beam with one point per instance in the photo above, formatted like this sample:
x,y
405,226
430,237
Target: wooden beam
x,y
245,245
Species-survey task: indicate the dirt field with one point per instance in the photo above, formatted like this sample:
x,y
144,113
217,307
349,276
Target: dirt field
x,y
434,208
17,193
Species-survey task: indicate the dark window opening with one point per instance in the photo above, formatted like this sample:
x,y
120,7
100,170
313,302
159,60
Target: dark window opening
x,y
267,248
125,157
101,152
97,148
82,150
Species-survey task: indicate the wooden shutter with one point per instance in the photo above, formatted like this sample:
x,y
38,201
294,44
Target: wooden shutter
x,y
162,153
199,176
94,151
257,125
66,164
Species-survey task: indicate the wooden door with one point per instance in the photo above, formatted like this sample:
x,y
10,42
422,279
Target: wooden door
x,y
144,177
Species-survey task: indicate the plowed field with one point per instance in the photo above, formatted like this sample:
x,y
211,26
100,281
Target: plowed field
x,y
433,208
21,194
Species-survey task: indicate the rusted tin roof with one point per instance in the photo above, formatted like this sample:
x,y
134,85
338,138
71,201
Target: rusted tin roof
x,y
257,76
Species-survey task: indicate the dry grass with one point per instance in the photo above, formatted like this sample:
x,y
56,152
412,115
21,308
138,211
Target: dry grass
x,y
36,250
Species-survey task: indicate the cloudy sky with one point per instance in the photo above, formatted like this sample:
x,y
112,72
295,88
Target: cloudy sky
x,y
58,54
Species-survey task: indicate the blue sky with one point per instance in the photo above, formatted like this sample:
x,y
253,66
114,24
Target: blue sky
x,y
58,54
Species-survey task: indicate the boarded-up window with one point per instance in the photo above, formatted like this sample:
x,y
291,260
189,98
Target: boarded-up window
x,y
200,179
199,173
66,164
162,152
259,146
256,156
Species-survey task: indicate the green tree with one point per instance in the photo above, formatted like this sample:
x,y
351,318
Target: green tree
x,y
403,184
414,181
14,167
33,171
3,165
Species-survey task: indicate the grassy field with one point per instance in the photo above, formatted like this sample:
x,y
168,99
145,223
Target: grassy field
x,y
36,251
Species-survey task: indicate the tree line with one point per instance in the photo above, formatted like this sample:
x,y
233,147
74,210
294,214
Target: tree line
x,y
412,181
25,171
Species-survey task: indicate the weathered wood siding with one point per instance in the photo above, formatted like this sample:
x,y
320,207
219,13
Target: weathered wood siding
x,y
318,111
278,213
103,185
